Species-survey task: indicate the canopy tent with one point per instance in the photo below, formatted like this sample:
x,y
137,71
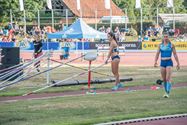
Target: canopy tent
x,y
79,29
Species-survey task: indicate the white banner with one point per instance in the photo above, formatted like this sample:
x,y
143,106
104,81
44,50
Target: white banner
x,y
107,4
78,5
21,5
170,3
49,4
138,4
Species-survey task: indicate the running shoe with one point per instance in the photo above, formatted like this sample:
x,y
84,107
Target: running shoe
x,y
166,95
116,87
120,85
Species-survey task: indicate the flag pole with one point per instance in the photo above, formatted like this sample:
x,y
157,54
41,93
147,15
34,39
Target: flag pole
x,y
25,24
96,19
52,14
111,19
66,17
38,19
173,18
11,20
141,22
49,5
126,18
157,11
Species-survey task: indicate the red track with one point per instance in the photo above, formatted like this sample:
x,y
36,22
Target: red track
x,y
127,59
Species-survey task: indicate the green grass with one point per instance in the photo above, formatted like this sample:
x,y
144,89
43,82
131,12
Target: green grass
x,y
140,75
91,109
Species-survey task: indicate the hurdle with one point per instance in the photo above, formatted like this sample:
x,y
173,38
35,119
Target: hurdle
x,y
90,57
76,75
28,77
81,68
94,81
9,73
104,48
19,73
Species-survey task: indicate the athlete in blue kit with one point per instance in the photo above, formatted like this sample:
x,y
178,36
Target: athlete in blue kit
x,y
166,48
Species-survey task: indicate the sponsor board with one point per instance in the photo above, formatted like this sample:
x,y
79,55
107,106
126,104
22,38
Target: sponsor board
x,y
150,45
126,45
154,45
180,45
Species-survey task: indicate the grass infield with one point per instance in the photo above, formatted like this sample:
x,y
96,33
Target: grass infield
x,y
92,109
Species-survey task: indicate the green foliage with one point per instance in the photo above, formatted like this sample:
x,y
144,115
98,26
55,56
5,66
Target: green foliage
x,y
150,8
30,6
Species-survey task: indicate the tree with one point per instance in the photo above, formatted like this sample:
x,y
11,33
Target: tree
x,y
149,8
30,6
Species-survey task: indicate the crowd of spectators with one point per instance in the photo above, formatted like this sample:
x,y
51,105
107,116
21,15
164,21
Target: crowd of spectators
x,y
15,33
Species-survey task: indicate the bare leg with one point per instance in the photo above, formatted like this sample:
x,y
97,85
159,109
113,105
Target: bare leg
x,y
163,74
115,70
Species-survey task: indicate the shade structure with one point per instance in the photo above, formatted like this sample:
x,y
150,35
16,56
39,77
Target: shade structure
x,y
78,30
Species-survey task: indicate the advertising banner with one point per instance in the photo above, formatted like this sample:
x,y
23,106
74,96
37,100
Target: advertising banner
x,y
180,45
150,45
126,45
131,45
154,45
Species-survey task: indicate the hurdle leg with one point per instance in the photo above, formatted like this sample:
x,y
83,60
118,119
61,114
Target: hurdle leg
x,y
89,75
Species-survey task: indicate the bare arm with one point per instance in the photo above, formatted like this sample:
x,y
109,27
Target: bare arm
x,y
176,57
157,56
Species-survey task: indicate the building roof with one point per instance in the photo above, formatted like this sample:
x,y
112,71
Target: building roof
x,y
89,7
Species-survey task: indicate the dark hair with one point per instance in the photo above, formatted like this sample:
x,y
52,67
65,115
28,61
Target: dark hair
x,y
113,36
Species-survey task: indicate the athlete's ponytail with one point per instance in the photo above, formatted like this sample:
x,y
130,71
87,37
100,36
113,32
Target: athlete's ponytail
x,y
113,36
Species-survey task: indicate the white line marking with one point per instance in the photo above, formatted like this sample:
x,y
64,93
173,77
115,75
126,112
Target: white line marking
x,y
143,119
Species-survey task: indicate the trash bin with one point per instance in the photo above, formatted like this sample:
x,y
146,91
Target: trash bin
x,y
65,53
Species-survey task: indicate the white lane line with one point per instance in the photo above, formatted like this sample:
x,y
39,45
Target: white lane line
x,y
143,119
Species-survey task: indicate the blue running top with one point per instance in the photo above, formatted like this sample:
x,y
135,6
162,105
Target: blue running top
x,y
166,50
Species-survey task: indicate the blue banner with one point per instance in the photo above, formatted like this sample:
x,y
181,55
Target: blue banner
x,y
71,45
7,44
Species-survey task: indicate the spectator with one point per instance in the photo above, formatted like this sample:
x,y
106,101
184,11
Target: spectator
x,y
149,30
146,38
117,33
139,39
1,31
10,26
37,50
16,28
177,32
5,39
5,31
1,38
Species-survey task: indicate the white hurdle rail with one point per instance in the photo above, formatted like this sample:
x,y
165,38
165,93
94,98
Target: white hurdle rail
x,y
33,75
104,49
13,71
51,85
